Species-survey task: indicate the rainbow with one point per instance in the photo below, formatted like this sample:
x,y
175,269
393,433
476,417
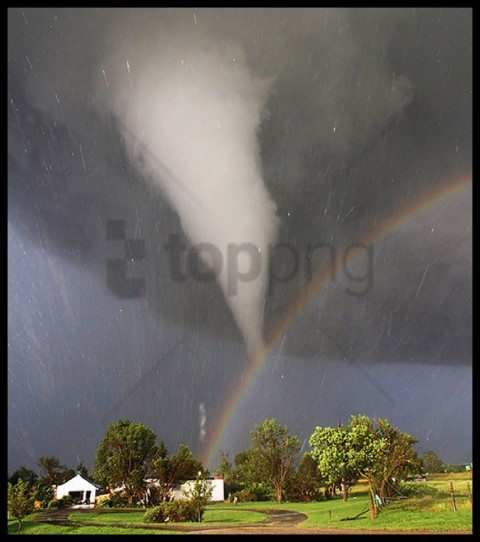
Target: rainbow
x,y
254,365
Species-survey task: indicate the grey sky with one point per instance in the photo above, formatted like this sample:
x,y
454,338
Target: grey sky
x,y
260,126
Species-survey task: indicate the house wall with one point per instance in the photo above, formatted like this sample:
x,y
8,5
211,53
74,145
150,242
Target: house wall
x,y
218,493
74,486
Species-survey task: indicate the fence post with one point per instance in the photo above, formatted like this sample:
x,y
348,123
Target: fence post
x,y
469,491
452,495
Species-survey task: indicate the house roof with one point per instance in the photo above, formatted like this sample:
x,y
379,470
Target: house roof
x,y
77,483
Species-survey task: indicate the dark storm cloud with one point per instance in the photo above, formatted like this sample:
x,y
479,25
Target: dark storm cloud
x,y
351,94
262,126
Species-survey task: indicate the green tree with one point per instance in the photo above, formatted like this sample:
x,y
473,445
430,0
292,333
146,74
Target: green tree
x,y
455,468
272,454
52,472
44,494
247,484
173,470
124,457
226,470
331,451
20,501
432,463
27,475
362,448
199,495
225,467
397,455
244,471
306,485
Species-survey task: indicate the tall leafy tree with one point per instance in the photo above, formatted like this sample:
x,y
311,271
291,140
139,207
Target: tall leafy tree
x,y
306,485
432,463
226,470
20,501
363,448
331,447
397,458
225,467
272,454
173,470
247,482
52,472
27,475
124,457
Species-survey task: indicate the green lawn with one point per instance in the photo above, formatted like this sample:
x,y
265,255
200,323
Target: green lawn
x,y
214,515
431,513
30,526
108,519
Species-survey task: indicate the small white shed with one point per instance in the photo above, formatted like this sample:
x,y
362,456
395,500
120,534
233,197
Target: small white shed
x,y
215,484
80,489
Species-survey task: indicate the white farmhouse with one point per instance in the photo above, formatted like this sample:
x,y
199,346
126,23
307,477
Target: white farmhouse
x,y
80,489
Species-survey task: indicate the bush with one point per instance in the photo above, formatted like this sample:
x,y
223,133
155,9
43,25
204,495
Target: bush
x,y
67,500
184,510
157,514
255,492
103,503
115,501
44,494
175,511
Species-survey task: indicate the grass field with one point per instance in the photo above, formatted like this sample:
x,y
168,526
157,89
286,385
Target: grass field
x,y
213,516
432,512
30,526
109,522
423,514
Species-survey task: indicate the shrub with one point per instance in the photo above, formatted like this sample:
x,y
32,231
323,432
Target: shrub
x,y
67,500
186,510
103,503
64,502
115,501
255,492
175,511
157,514
44,494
